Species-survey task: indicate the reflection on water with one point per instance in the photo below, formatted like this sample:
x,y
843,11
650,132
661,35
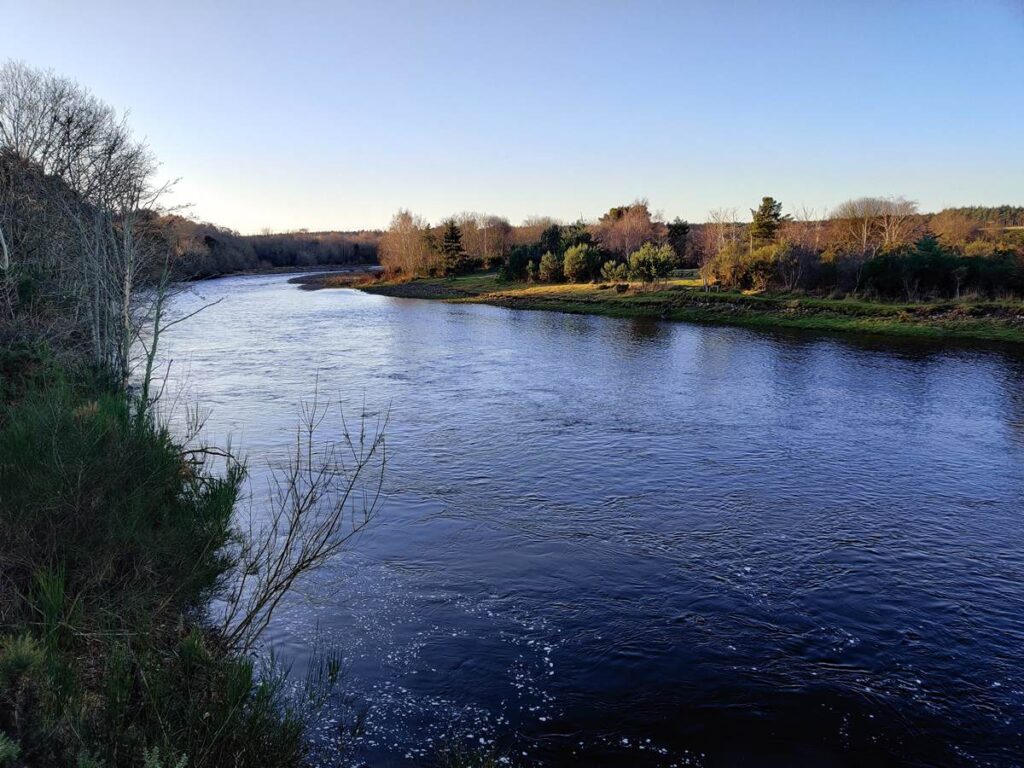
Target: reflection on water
x,y
633,542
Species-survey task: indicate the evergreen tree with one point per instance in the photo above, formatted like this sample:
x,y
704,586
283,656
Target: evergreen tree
x,y
453,257
551,239
678,231
767,220
575,234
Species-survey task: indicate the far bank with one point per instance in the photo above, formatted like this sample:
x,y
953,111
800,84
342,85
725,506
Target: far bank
x,y
685,300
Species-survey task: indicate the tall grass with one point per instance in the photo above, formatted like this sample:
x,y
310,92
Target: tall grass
x,y
113,539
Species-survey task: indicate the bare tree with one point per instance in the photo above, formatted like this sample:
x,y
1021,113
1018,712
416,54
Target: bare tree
x,y
856,224
5,254
530,230
325,496
805,228
720,231
953,228
403,248
625,228
898,221
73,156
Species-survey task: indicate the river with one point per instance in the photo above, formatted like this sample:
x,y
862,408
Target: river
x,y
626,542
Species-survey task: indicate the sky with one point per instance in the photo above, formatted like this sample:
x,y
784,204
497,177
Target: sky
x,y
333,115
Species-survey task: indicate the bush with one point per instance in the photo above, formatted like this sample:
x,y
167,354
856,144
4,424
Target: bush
x,y
580,263
614,271
9,750
519,260
550,268
532,272
113,540
652,263
777,265
760,267
928,269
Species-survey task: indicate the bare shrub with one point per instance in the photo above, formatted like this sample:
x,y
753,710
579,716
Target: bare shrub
x,y
321,499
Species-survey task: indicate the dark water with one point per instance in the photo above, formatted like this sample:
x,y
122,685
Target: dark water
x,y
613,542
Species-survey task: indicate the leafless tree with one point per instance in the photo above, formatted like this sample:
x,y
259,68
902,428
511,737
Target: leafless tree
x,y
856,224
324,497
625,228
70,156
899,222
953,228
403,248
530,230
720,230
805,228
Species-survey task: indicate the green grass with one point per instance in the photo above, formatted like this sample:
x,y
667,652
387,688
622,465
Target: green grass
x,y
684,300
113,541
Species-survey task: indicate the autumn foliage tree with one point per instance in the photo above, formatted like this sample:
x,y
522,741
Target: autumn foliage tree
x,y
625,228
404,250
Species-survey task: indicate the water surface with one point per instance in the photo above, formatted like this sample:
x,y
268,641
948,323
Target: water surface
x,y
615,542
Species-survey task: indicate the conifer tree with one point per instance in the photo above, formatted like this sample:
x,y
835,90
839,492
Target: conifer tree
x,y
678,232
767,219
453,257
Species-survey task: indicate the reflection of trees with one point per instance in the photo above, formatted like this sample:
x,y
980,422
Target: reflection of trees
x,y
1012,387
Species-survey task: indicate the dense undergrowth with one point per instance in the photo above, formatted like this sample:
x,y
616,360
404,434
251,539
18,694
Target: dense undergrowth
x,y
114,539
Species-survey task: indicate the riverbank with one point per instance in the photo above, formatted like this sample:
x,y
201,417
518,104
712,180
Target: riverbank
x,y
338,278
116,536
685,300
314,272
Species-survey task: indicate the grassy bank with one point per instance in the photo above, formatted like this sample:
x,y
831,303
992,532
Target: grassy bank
x,y
114,539
685,300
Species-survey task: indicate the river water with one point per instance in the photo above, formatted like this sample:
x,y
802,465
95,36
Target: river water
x,y
617,542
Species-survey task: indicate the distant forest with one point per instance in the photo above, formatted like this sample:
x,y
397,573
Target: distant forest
x,y
998,216
205,250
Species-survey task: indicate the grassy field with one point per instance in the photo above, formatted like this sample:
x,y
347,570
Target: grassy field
x,y
684,299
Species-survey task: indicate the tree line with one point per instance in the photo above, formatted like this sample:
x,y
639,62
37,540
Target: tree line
x,y
83,224
201,249
872,246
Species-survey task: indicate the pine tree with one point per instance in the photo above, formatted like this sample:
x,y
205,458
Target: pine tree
x,y
551,239
453,258
678,231
767,220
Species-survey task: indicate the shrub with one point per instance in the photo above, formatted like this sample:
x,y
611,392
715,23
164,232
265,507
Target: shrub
x,y
113,540
9,750
21,657
532,272
760,266
614,271
519,260
580,263
651,263
924,269
550,268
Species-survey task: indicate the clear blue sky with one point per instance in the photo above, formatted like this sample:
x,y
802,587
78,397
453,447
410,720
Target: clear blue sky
x,y
334,114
